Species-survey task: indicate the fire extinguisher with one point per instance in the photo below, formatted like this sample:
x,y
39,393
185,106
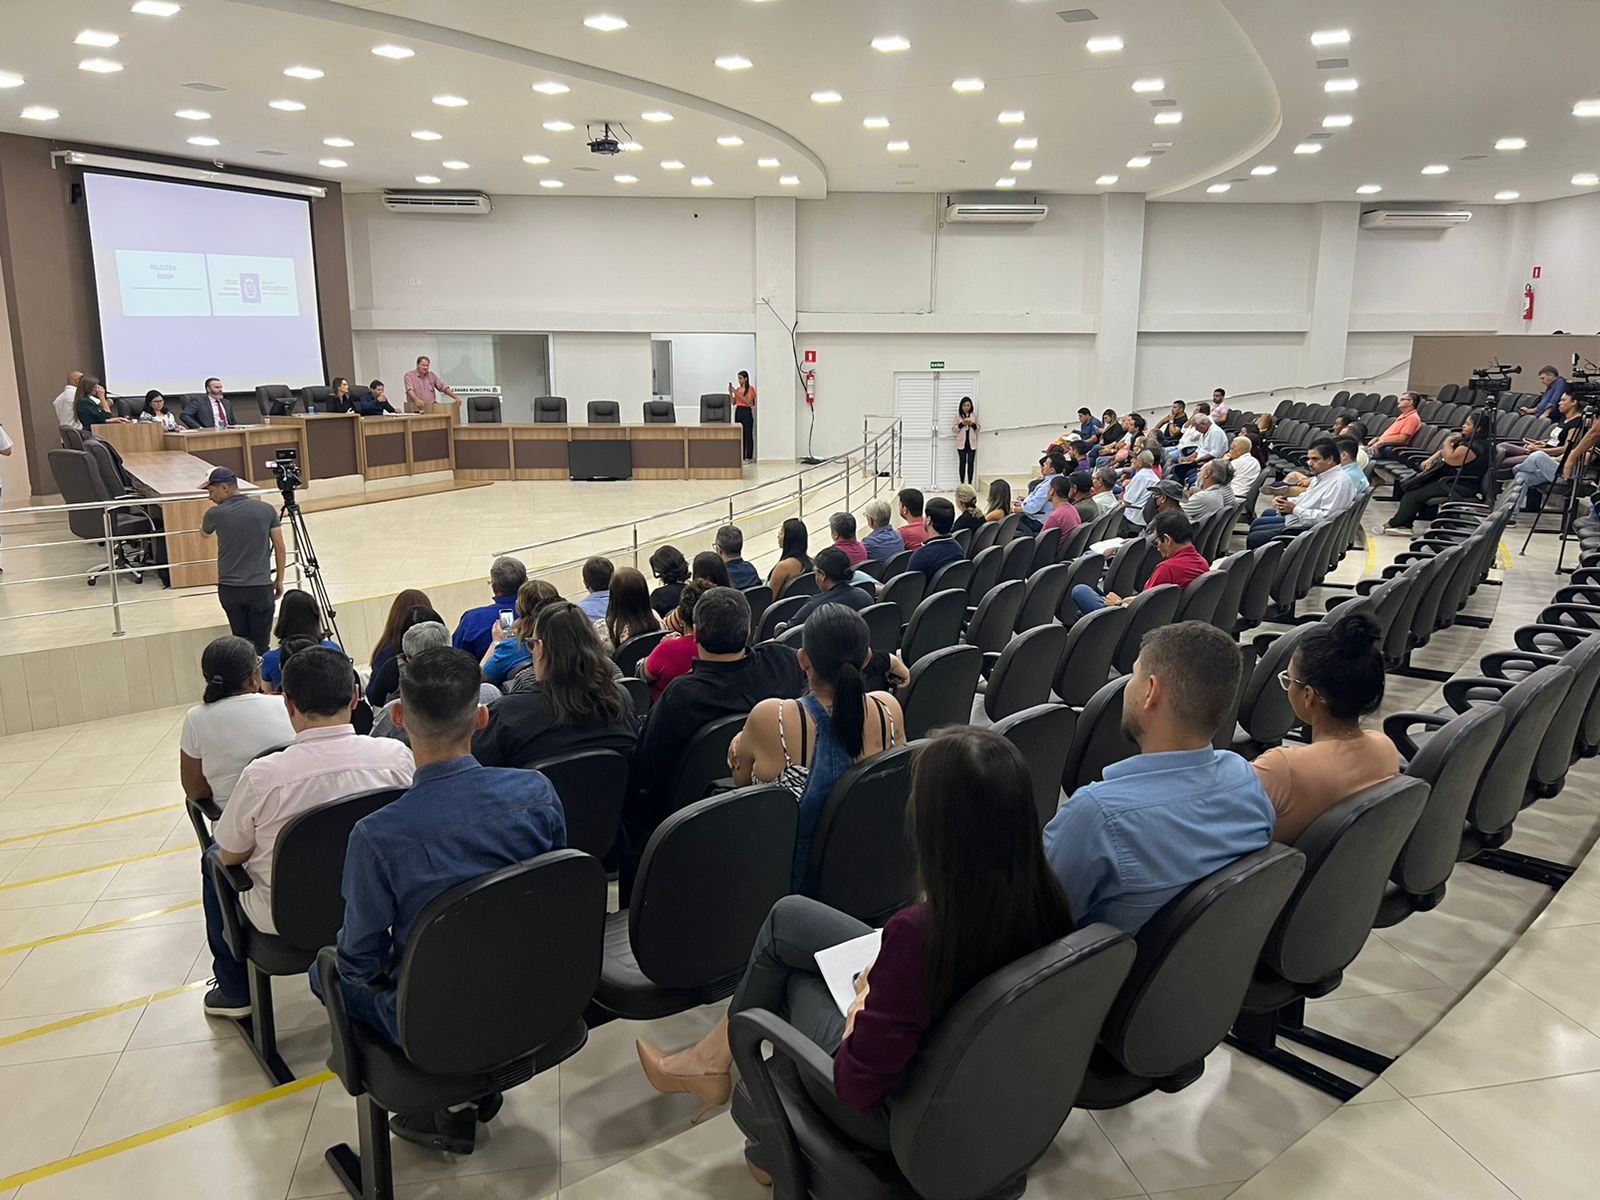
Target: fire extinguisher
x,y
811,388
1527,302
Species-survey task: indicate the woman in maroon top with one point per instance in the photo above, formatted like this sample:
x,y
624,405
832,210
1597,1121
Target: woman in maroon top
x,y
675,654
986,897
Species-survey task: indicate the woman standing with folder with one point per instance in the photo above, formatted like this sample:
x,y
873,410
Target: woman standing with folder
x,y
966,431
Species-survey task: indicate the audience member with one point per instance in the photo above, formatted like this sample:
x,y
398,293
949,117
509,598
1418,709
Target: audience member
x,y
66,402
233,723
1554,386
211,409
1219,405
1330,493
806,744
597,579
1172,428
674,654
459,822
1401,430
708,565
967,514
1064,514
1037,503
1246,466
1335,678
1136,492
883,542
388,645
575,703
1180,563
669,566
1082,495
1089,429
834,575
422,635
915,530
475,629
629,613
842,528
986,898
1209,442
1348,449
384,683
729,547
940,549
1103,489
327,761
794,559
1177,811
997,506
1212,493
376,402
1260,435
298,616
1540,462
511,648
1454,471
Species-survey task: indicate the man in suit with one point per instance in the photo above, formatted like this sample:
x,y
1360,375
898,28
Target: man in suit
x,y
210,411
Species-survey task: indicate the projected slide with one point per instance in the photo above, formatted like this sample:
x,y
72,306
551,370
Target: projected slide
x,y
195,281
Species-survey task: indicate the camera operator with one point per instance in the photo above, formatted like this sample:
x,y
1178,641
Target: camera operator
x,y
246,530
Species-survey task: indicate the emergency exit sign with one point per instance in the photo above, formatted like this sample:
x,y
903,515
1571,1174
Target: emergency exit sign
x,y
936,366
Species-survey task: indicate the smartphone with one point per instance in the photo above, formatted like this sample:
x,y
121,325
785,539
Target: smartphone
x,y
507,620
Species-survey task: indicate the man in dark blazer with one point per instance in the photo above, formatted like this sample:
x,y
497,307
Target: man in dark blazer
x,y
212,410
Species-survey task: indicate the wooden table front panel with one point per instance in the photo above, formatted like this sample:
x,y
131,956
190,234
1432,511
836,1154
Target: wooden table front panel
x,y
483,452
429,438
539,451
715,451
658,451
385,450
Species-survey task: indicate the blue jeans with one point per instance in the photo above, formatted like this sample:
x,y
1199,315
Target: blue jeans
x,y
1264,528
361,1002
1086,598
232,977
1537,470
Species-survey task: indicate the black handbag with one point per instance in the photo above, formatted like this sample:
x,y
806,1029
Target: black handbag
x,y
1432,475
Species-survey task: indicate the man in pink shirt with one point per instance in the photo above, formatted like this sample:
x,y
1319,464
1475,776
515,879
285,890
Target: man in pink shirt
x,y
842,526
422,387
327,761
1401,432
1064,515
915,530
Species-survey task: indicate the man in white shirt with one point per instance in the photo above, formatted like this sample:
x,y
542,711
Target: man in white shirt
x,y
1136,493
327,761
66,401
1209,441
1330,493
1246,466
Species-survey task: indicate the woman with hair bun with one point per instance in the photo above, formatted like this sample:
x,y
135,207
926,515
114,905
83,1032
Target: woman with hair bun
x,y
1335,678
233,723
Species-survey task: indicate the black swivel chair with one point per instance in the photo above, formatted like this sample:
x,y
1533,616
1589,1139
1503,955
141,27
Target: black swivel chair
x,y
275,399
1044,735
592,786
549,410
604,412
715,408
659,412
1025,1033
319,398
941,689
860,860
483,410
518,952
79,481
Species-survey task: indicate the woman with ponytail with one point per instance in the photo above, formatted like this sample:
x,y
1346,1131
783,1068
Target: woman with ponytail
x,y
1335,678
233,723
804,745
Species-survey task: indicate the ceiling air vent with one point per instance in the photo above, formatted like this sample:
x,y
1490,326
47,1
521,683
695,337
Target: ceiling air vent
x,y
1073,16
996,214
1414,218
438,203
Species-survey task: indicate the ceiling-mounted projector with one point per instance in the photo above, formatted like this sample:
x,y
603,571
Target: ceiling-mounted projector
x,y
607,143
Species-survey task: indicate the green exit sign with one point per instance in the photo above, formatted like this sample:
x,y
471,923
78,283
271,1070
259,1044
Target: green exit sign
x,y
936,366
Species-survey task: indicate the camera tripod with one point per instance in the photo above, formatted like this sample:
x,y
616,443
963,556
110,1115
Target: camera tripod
x,y
1569,514
306,557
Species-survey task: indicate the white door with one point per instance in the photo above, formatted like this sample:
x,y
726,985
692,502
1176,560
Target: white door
x,y
914,405
949,388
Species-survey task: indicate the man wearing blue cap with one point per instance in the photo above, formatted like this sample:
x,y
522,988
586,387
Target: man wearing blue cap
x,y
249,536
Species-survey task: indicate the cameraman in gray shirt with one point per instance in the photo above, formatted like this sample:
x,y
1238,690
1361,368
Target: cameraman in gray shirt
x,y
249,535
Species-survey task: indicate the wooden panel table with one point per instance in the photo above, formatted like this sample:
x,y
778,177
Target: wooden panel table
x,y
163,474
408,444
490,452
141,437
243,449
333,442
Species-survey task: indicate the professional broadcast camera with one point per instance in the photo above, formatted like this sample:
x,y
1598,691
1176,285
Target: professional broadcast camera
x,y
285,467
1585,387
1495,378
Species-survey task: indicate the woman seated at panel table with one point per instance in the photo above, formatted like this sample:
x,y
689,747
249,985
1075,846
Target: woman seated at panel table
x,y
155,412
298,617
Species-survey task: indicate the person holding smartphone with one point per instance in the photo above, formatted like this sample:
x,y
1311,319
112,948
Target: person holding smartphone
x,y
744,412
966,431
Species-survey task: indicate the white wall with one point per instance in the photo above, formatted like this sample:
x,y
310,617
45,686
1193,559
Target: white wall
x,y
601,366
1566,243
707,362
1219,259
1420,279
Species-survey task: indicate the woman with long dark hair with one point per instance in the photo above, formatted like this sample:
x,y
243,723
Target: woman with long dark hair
x,y
510,650
998,506
233,723
574,703
985,898
155,412
966,431
298,617
708,569
388,643
675,653
628,613
794,558
384,685
1455,471
669,566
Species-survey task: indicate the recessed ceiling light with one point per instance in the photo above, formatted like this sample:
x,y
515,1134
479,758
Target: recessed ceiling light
x,y
875,123
605,23
1308,148
39,112
429,135
448,101
967,85
302,72
333,164
1331,37
1103,45
338,143
1171,116
286,105
549,87
100,66
1022,164
1149,85
1368,189
826,97
1586,108
701,181
1161,145
454,164
156,8
96,38
551,183
1507,195
1263,169
1106,180
1511,143
1341,85
427,179
535,160
768,163
897,147
390,51
553,126
789,180
203,141
1006,182
631,147
1338,121
1435,169
1014,116
1139,160
1585,179
192,114
1025,143
10,80
734,62
671,164
730,139
656,116
1216,189
891,43
625,178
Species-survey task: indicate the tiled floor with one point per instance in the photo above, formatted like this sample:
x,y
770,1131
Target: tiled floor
x,y
1500,1099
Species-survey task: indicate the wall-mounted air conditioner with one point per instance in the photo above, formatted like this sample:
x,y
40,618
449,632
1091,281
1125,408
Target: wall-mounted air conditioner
x,y
1414,218
438,203
996,214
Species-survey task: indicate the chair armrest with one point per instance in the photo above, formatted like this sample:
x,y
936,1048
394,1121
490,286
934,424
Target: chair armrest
x,y
746,1033
1465,507
1577,594
1262,642
229,882
1527,636
1397,728
1363,587
1494,665
991,659
1461,692
1584,616
203,814
345,1056
1589,575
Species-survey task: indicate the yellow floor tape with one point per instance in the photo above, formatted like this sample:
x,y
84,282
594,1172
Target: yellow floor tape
x,y
115,862
109,1011
28,837
100,928
44,1171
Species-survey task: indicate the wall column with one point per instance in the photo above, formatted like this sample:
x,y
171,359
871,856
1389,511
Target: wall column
x,y
1116,343
780,431
1333,274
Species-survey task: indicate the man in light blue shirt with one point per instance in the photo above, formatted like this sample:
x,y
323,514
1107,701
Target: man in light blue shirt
x,y
597,578
883,542
1349,448
1177,811
1037,506
1554,385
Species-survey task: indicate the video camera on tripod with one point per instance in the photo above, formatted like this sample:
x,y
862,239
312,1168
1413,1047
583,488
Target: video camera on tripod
x,y
1585,386
285,468
1495,378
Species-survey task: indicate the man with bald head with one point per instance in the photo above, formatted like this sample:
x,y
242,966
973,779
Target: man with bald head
x,y
65,403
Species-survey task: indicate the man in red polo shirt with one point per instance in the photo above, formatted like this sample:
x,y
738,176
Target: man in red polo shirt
x,y
1180,562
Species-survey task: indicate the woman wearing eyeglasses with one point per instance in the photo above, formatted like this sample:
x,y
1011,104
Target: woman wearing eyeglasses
x,y
1335,677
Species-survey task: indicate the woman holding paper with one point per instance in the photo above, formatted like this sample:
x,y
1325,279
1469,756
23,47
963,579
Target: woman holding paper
x,y
986,898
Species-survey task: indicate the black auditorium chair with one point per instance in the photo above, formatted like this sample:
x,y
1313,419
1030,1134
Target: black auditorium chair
x,y
1201,597
1098,739
1128,568
935,624
860,861
307,911
803,584
995,618
1045,545
779,612
1026,668
897,565
1149,610
1257,595
1542,646
905,589
1086,658
483,410
1045,590
955,574
1349,851
592,785
986,537
1017,557
517,951
709,876
1236,569
758,597
715,408
638,694
1044,735
1085,569
550,410
1574,724
1025,1033
703,761
985,573
1265,716
275,399
883,626
636,649
940,690
604,412
659,412
1195,961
